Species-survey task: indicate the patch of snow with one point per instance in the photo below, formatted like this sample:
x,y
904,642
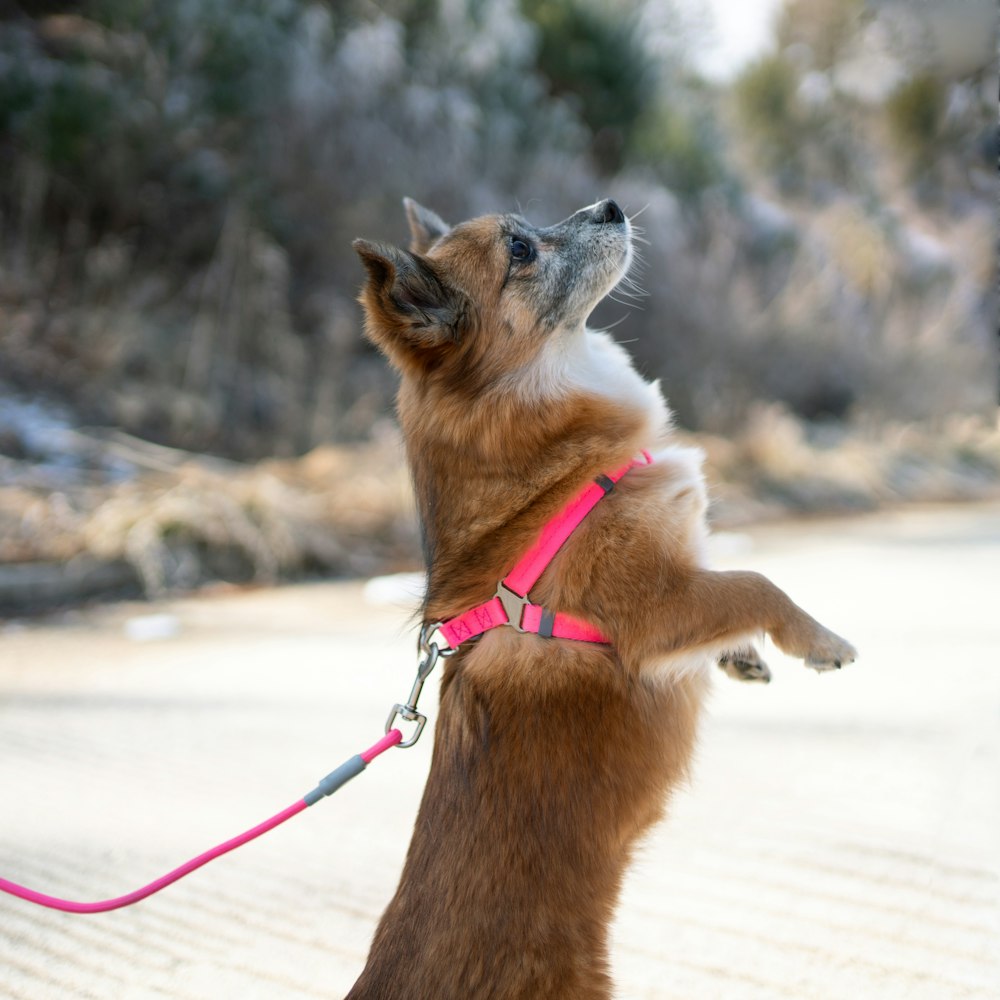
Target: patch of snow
x,y
403,590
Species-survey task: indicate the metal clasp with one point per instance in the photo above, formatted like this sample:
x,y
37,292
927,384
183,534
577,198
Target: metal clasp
x,y
428,652
513,605
411,715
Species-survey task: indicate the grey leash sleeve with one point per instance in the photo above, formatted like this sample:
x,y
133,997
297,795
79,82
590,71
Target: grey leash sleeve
x,y
336,779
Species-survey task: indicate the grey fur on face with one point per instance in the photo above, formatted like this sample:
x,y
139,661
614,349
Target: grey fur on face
x,y
572,265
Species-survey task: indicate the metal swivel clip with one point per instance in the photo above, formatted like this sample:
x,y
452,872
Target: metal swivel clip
x,y
428,653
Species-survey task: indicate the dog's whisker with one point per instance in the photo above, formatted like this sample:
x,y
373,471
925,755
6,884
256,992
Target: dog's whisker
x,y
618,322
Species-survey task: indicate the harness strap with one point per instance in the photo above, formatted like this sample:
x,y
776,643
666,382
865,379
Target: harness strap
x,y
510,604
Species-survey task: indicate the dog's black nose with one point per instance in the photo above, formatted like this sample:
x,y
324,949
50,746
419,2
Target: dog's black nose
x,y
608,212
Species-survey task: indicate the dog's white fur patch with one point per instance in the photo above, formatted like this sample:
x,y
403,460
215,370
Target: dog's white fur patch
x,y
590,361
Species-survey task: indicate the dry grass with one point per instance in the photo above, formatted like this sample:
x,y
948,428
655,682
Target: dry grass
x,y
187,520
336,511
780,467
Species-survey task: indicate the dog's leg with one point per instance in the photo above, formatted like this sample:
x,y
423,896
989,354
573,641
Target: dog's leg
x,y
712,606
745,664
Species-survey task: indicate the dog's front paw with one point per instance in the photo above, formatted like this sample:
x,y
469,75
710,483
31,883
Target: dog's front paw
x,y
745,665
830,652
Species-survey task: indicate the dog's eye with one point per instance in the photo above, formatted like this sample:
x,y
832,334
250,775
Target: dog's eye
x,y
521,250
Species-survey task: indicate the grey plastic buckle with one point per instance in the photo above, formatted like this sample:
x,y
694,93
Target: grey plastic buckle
x,y
513,606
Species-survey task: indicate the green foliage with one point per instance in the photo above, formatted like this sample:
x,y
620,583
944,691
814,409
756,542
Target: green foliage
x,y
56,111
593,55
142,111
684,148
915,116
767,110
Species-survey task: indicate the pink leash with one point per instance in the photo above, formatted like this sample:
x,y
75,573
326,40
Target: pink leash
x,y
333,781
509,606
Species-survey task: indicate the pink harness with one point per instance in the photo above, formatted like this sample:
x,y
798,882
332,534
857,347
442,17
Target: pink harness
x,y
510,604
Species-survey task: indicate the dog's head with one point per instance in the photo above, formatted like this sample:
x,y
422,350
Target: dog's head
x,y
479,301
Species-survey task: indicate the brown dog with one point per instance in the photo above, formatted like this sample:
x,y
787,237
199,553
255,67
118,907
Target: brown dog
x,y
551,756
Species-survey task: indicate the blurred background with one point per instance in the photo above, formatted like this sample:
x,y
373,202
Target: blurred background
x,y
185,394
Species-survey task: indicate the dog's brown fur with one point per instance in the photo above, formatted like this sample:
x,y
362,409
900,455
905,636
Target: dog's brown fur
x,y
551,757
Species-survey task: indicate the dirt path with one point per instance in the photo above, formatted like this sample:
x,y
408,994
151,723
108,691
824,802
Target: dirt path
x,y
841,838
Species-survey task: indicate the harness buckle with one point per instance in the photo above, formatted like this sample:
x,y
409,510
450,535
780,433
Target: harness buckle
x,y
513,605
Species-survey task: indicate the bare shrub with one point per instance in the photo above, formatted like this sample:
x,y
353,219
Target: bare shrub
x,y
180,184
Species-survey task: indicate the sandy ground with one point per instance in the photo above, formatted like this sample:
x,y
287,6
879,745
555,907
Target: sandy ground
x,y
841,838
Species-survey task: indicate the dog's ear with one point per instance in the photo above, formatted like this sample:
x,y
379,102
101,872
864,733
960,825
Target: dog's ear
x,y
425,226
409,305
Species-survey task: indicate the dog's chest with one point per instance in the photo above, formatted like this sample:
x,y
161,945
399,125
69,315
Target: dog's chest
x,y
591,362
